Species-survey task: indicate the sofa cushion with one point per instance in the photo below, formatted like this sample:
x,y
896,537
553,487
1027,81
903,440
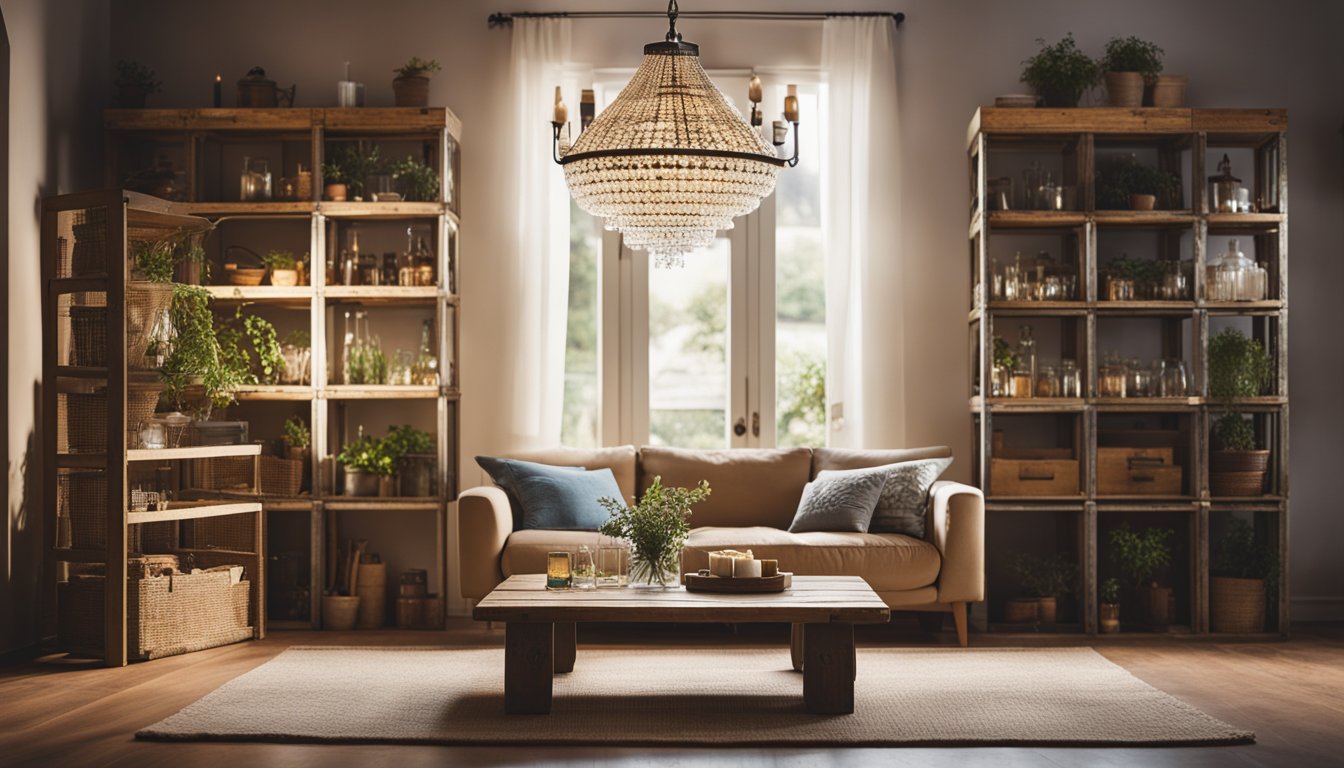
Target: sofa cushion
x,y
904,502
839,501
508,473
560,498
620,460
748,486
851,458
887,561
525,551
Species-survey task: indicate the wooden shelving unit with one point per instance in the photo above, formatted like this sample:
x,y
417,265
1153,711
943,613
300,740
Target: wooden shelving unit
x,y
1184,141
106,221
204,147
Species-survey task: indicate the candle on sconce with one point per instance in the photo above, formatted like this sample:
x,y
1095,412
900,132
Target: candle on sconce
x,y
561,111
791,105
781,131
218,86
754,90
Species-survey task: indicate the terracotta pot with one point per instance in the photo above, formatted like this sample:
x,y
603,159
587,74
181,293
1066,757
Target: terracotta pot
x,y
284,277
1236,605
1169,91
1047,609
411,91
1021,611
1124,89
336,192
1160,601
1142,202
1109,613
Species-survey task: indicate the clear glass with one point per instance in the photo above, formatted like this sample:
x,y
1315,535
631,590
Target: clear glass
x,y
1047,382
585,569
613,564
1070,384
581,410
688,350
800,286
1172,378
558,572
1026,357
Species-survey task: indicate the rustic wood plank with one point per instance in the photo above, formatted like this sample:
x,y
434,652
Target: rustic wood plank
x,y
528,667
1239,121
1104,120
829,668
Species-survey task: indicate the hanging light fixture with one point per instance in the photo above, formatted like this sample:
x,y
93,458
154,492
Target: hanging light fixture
x,y
671,161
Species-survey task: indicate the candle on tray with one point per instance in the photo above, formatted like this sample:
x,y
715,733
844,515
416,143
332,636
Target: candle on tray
x,y
746,569
769,567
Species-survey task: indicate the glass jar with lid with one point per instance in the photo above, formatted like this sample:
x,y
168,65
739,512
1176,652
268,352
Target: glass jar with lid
x,y
1234,277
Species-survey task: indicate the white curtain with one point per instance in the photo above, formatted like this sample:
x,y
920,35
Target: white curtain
x,y
861,221
538,266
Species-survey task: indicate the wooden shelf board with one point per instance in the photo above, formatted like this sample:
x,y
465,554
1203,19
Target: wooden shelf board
x,y
274,392
1244,220
1236,121
1001,120
1036,219
379,392
1259,404
1144,218
391,119
1163,308
1031,404
1237,308
1062,308
1053,506
81,460
239,208
82,371
1265,500
390,294
1146,403
1026,500
79,555
382,503
210,119
299,295
370,210
1145,504
192,452
185,511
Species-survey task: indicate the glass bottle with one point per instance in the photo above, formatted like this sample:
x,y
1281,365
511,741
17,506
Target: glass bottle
x,y
261,180
348,349
1047,382
1026,361
585,569
424,263
1069,383
389,268
425,372
246,184
406,261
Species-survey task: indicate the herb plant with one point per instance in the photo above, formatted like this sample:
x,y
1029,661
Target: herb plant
x,y
1004,356
1239,366
1060,73
1239,554
1110,591
418,67
656,527
405,440
1120,176
1233,432
1130,54
260,332
352,165
299,337
154,259
1141,555
1051,576
280,260
366,455
420,181
297,434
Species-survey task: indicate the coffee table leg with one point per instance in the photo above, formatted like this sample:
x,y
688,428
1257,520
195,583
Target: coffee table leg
x,y
796,646
828,668
565,646
528,667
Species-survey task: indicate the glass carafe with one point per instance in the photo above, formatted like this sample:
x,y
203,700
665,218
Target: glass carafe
x,y
1172,379
1070,384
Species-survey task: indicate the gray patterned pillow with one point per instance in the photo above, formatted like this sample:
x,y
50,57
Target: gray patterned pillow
x,y
841,500
901,505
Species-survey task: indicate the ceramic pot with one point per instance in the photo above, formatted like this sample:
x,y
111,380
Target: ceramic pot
x,y
1055,96
360,483
337,193
1169,91
339,612
284,277
411,91
1021,611
1124,89
1142,202
1047,609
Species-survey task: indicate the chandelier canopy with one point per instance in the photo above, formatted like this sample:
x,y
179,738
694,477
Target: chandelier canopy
x,y
671,161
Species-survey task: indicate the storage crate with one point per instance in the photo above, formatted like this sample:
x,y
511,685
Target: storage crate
x,y
1138,472
281,477
1034,472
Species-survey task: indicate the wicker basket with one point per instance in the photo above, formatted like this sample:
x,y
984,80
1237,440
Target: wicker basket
x,y
145,304
281,477
224,473
1239,461
1236,605
89,254
1236,483
88,336
84,496
85,422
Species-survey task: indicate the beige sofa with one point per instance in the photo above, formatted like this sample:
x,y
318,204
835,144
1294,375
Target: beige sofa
x,y
755,493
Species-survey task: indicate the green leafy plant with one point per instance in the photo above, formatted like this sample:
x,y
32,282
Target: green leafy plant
x,y
1239,554
418,67
1130,54
1110,591
1060,73
1233,432
280,260
134,75
1051,576
366,454
333,173
1004,356
1239,366
1120,176
154,259
656,527
297,434
405,440
420,182
199,350
299,337
1141,555
352,165
266,345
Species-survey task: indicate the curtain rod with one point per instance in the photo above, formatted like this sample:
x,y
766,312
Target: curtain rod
x,y
500,19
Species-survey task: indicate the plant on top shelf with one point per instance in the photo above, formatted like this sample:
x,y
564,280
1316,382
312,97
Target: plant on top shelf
x,y
1123,183
134,82
1060,73
656,527
1141,556
1243,571
1239,366
419,181
410,88
1128,64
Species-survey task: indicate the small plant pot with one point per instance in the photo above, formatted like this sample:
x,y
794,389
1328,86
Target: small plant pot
x,y
1160,601
360,483
1142,202
284,277
1124,89
1236,605
1169,91
1047,609
336,193
339,612
1236,483
1109,614
411,91
1239,461
416,473
1022,611
131,96
1060,97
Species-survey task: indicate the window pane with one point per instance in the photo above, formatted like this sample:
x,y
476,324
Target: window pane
x,y
688,350
800,290
579,423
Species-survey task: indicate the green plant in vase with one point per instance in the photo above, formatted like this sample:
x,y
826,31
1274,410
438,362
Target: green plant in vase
x,y
366,464
355,164
1060,73
1109,609
1237,466
1243,579
656,527
419,181
1123,183
1141,557
410,88
1239,366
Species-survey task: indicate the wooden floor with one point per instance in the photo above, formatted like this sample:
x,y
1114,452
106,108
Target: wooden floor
x,y
55,712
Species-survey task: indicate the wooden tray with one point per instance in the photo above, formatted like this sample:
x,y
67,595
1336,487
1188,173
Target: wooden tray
x,y
697,583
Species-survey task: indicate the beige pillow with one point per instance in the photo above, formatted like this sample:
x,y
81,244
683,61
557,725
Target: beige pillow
x,y
748,486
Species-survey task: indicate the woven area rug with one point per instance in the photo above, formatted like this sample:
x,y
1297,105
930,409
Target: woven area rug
x,y
719,697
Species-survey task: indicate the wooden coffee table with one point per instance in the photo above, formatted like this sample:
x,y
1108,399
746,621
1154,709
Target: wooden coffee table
x,y
539,631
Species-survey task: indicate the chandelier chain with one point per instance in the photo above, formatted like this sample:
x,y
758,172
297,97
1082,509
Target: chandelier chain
x,y
673,36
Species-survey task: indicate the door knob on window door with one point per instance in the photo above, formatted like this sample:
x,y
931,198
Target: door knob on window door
x,y
755,423
740,427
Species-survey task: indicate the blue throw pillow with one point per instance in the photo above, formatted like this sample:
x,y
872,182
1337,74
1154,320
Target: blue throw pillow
x,y
840,500
547,496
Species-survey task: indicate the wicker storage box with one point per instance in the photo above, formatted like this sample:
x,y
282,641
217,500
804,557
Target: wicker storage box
x,y
165,616
224,473
281,477
1236,605
1137,472
1034,472
83,416
83,497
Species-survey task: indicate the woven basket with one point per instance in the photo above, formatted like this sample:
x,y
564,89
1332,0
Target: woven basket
x,y
88,336
1239,461
89,254
84,495
1236,605
145,304
281,477
85,414
1236,483
225,473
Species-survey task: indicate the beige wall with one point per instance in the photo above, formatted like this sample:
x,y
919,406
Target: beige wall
x,y
955,55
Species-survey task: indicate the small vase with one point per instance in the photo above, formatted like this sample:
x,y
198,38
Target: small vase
x,y
647,573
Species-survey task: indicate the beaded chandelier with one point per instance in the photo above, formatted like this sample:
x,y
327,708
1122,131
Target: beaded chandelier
x,y
671,161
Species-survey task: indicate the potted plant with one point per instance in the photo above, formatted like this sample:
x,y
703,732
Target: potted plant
x,y
297,439
412,452
1167,91
335,182
419,182
1109,608
1236,466
1239,366
365,463
1005,362
1121,275
1123,183
1060,73
1026,607
1242,572
353,165
265,344
656,527
411,85
134,82
286,270
200,354
1140,557
1128,64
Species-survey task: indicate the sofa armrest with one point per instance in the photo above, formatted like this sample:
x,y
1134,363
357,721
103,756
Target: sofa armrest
x,y
484,522
957,528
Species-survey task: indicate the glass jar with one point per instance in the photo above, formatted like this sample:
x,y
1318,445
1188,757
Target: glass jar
x,y
1013,280
1234,277
1070,384
1172,380
558,573
1175,285
1047,382
1119,289
613,564
1140,379
1001,193
1113,379
1223,189
1001,384
1026,360
585,569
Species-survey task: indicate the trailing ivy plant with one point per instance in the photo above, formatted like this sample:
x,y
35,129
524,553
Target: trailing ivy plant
x,y
1233,432
199,350
419,180
1239,366
1141,555
154,260
1131,54
656,527
266,345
